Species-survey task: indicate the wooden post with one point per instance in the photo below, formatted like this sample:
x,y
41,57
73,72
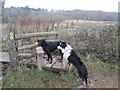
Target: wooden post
x,y
12,50
17,29
39,57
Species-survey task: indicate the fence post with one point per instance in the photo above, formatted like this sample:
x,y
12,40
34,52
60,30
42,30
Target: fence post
x,y
39,57
12,49
17,29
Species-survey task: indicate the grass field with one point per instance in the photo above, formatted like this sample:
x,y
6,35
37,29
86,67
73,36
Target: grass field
x,y
35,78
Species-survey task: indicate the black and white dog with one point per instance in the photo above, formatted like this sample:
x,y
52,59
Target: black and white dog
x,y
70,55
49,47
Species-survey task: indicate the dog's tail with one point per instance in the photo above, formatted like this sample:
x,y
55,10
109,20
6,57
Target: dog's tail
x,y
82,70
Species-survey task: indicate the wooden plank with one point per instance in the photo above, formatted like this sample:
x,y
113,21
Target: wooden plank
x,y
39,34
25,55
4,57
57,66
60,67
30,46
49,65
27,47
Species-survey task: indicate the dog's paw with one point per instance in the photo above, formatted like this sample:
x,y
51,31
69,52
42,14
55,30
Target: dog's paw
x,y
47,59
50,62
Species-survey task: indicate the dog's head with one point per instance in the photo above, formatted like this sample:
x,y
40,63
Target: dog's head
x,y
64,47
41,42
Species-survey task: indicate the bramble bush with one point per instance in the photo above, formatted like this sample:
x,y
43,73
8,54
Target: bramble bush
x,y
99,42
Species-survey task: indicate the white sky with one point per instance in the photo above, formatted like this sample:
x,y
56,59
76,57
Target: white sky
x,y
102,5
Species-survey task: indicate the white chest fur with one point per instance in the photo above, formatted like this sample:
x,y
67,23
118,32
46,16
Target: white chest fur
x,y
66,52
66,55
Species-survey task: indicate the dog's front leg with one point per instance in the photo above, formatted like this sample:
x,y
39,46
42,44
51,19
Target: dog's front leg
x,y
49,55
61,54
45,56
50,58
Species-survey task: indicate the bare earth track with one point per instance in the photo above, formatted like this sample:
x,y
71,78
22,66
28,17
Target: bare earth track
x,y
98,80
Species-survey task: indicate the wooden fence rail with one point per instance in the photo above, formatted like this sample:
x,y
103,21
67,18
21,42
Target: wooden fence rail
x,y
27,47
39,34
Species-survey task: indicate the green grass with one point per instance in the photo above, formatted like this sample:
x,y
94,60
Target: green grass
x,y
35,78
40,79
102,67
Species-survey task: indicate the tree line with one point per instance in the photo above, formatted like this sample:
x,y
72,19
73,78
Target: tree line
x,y
58,15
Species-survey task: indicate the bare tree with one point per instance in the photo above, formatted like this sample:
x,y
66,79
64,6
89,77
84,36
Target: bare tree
x,y
1,11
2,2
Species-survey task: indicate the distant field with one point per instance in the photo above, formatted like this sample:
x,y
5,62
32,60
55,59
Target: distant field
x,y
89,22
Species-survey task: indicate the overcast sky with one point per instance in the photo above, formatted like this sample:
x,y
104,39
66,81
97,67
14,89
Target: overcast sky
x,y
102,5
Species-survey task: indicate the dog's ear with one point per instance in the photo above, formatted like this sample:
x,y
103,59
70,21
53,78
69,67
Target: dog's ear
x,y
37,42
44,43
63,44
58,43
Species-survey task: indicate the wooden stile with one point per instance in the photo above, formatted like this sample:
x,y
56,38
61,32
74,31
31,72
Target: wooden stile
x,y
15,46
39,57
